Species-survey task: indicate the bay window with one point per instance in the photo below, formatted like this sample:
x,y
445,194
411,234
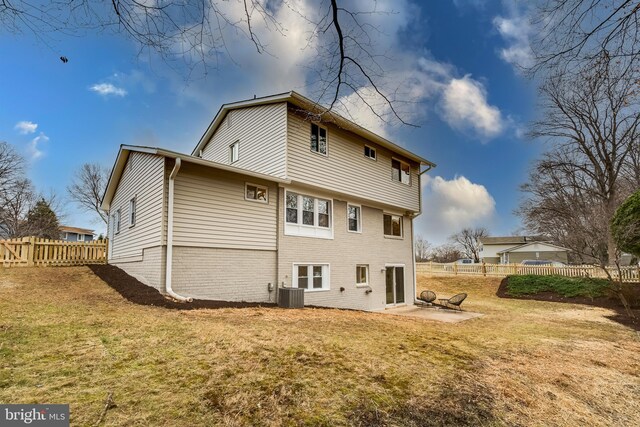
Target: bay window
x,y
307,215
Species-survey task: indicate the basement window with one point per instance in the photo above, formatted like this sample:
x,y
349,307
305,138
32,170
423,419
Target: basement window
x,y
392,225
311,277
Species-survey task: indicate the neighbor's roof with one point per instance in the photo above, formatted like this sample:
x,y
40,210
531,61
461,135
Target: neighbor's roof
x,y
551,245
298,100
123,156
77,230
512,240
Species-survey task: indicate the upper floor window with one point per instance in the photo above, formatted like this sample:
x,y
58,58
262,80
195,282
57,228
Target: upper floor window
x,y
370,152
392,225
132,212
234,152
318,139
80,237
258,193
401,171
307,216
353,218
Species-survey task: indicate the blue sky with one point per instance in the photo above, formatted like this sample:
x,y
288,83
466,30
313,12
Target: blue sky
x,y
457,57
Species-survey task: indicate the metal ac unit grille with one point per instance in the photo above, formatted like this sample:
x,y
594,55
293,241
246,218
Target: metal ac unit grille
x,y
291,297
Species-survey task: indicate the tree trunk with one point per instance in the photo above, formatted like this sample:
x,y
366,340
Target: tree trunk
x,y
611,244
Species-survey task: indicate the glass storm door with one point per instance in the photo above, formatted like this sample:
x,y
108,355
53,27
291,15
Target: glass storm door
x,y
395,285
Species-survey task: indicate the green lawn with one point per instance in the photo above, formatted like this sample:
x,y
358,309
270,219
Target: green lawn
x,y
66,337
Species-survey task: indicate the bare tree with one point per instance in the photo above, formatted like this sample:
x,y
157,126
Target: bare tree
x,y
591,120
572,33
423,248
11,168
195,35
16,204
446,253
88,187
468,241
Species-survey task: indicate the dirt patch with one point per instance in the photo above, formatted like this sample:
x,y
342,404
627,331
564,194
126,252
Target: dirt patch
x,y
611,302
138,293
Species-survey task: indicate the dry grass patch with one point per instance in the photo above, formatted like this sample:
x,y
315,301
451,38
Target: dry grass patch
x,y
66,337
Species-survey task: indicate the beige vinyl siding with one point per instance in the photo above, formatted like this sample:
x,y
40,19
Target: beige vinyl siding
x,y
261,131
518,257
343,253
142,178
345,169
210,211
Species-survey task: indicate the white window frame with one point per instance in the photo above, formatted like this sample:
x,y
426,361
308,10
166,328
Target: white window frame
x,y
234,152
302,230
365,284
359,230
266,191
133,214
393,236
326,275
326,132
116,221
66,236
402,162
371,149
78,235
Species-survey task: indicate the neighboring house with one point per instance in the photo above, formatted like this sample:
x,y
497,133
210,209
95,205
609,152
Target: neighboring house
x,y
515,249
270,198
75,234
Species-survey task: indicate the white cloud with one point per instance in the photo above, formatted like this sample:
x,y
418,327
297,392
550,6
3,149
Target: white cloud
x,y
465,106
34,149
516,31
25,127
451,205
107,89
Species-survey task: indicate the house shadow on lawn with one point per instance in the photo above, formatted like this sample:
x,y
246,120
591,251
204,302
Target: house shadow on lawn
x,y
611,302
138,293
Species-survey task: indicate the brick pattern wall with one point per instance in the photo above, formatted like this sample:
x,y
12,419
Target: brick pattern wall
x,y
343,253
224,274
150,270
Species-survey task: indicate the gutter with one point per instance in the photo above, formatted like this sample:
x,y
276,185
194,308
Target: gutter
x,y
169,256
413,233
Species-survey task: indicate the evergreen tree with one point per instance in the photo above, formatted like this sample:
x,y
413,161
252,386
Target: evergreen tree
x,y
42,221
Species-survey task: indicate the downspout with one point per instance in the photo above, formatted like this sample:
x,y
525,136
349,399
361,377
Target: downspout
x,y
169,258
413,243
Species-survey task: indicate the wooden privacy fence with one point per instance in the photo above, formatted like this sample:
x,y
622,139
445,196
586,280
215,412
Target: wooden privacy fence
x,y
34,251
629,273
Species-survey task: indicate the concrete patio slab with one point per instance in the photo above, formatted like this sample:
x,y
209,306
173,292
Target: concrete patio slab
x,y
433,313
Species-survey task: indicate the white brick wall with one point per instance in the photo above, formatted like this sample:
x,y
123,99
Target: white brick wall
x,y
150,270
343,253
224,274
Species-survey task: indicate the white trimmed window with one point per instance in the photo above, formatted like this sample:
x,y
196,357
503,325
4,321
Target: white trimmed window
x,y
362,275
257,193
307,216
132,212
392,225
400,171
370,152
116,221
312,277
80,237
318,139
234,152
354,221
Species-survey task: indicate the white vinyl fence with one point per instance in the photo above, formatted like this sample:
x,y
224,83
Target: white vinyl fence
x,y
629,274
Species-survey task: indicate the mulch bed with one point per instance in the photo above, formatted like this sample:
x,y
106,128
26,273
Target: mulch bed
x,y
138,293
611,302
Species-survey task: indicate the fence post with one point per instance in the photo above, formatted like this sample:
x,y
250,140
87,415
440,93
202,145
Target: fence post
x,y
455,268
484,269
30,242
